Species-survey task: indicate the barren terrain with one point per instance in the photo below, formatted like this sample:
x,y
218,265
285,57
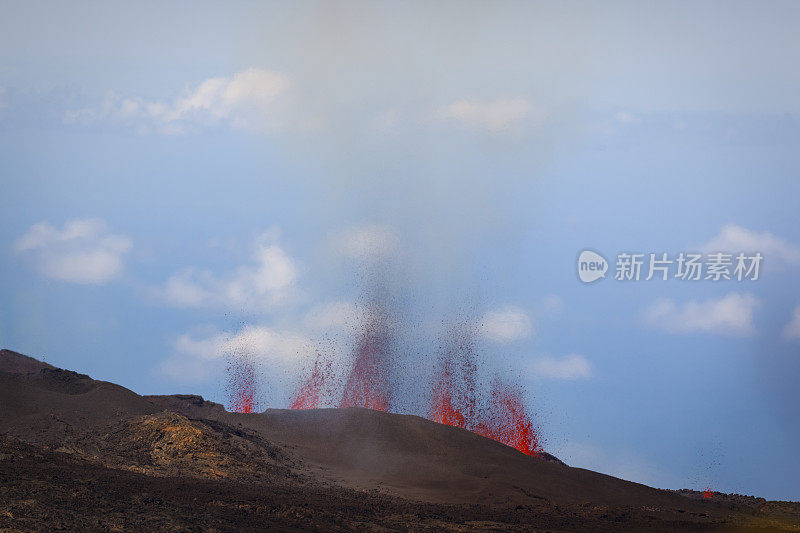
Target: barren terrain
x,y
81,454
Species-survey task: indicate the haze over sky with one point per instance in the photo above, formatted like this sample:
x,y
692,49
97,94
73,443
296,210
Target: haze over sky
x,y
186,180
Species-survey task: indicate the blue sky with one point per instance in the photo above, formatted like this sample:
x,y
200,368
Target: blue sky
x,y
185,181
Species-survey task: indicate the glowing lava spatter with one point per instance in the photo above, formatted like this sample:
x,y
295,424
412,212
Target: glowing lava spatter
x,y
498,413
368,382
507,420
455,401
445,407
503,418
241,384
453,396
309,394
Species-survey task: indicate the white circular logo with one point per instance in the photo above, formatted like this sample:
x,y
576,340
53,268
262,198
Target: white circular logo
x,y
591,266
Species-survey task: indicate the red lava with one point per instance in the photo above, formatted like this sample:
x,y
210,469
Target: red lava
x,y
368,382
309,394
499,413
502,416
708,493
453,396
241,384
508,420
445,408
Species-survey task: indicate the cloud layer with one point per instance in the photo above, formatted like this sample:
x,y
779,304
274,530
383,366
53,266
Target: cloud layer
x,y
570,367
246,100
83,251
505,325
730,315
196,355
733,239
258,342
268,281
792,329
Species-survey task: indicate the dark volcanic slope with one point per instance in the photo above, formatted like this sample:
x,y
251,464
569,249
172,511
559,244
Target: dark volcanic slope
x,y
42,490
18,363
48,405
326,455
416,458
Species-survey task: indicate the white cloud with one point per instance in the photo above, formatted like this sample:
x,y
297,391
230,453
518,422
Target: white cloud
x,y
245,100
494,116
734,239
731,315
197,357
505,325
367,243
84,251
792,329
259,342
570,367
267,282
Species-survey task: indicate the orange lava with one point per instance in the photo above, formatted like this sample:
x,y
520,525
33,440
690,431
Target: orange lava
x,y
508,420
309,395
444,407
368,382
498,413
453,395
503,416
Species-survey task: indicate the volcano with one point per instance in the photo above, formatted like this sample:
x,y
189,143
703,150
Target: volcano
x,y
78,453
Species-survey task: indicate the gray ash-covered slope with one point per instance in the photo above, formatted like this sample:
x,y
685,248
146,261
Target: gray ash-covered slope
x,y
347,451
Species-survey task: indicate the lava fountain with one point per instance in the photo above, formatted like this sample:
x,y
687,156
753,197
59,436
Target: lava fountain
x,y
368,383
453,397
242,383
309,394
508,420
497,412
